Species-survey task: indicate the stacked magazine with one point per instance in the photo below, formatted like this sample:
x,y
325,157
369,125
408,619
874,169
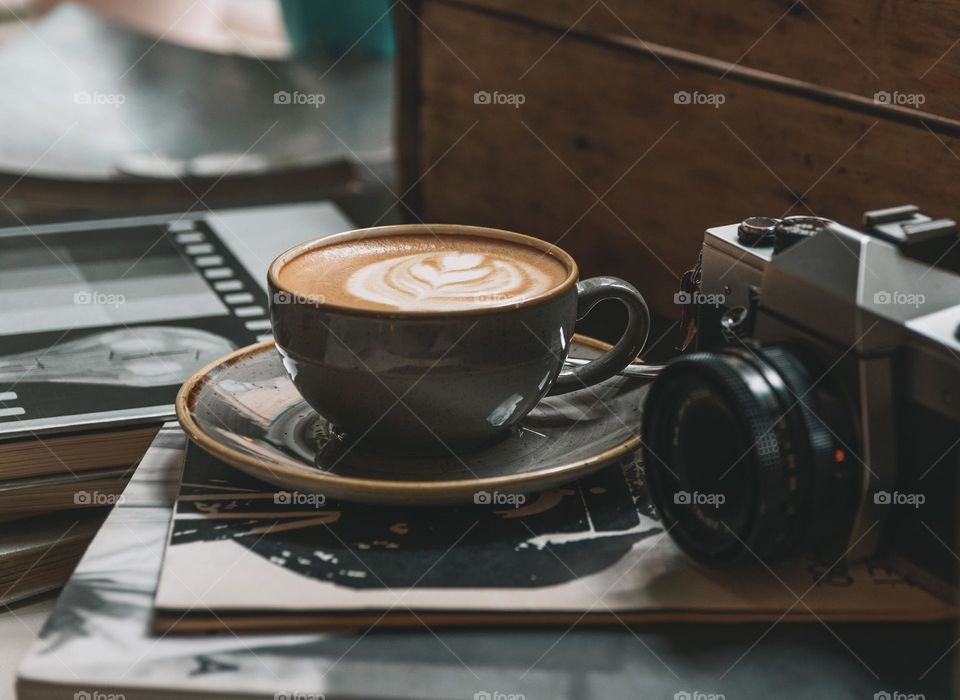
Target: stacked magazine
x,y
264,569
591,552
48,547
102,322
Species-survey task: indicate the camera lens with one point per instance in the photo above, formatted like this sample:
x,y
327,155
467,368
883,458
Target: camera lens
x,y
749,455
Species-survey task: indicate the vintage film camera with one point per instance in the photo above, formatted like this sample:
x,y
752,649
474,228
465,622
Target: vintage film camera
x,y
820,413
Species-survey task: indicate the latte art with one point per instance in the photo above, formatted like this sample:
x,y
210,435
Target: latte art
x,y
423,272
447,280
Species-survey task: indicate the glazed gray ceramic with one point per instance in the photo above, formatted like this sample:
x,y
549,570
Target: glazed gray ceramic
x,y
429,382
246,411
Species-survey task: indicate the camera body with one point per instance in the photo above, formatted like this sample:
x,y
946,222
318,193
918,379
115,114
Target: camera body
x,y
832,357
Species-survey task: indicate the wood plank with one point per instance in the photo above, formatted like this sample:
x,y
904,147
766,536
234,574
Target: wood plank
x,y
901,47
600,121
407,117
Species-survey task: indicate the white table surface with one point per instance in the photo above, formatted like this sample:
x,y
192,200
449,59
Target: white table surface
x,y
19,625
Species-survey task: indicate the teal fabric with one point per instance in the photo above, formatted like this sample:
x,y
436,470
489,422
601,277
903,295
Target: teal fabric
x,y
334,26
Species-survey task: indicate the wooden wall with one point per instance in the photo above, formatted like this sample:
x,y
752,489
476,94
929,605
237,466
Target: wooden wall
x,y
604,159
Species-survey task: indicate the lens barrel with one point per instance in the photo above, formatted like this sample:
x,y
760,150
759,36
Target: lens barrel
x,y
751,455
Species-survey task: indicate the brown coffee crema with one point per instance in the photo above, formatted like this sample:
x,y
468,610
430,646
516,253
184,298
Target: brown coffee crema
x,y
421,272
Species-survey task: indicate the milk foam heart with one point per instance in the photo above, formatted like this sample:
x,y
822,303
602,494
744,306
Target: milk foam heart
x,y
446,280
424,273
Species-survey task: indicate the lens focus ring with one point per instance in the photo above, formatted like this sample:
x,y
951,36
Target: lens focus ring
x,y
764,454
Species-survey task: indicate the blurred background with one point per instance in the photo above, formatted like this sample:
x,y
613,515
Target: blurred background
x,y
619,130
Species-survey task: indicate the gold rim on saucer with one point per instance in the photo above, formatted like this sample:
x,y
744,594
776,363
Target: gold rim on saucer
x,y
368,490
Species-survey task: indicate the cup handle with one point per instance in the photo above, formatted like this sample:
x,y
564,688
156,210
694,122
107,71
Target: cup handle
x,y
589,293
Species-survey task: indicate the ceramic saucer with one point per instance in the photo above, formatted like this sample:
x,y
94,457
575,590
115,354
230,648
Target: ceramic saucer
x,y
244,410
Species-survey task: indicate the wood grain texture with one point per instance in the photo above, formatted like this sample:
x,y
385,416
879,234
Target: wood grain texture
x,y
600,121
863,48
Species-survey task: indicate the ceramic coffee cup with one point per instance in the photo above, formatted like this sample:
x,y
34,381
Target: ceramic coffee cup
x,y
421,380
